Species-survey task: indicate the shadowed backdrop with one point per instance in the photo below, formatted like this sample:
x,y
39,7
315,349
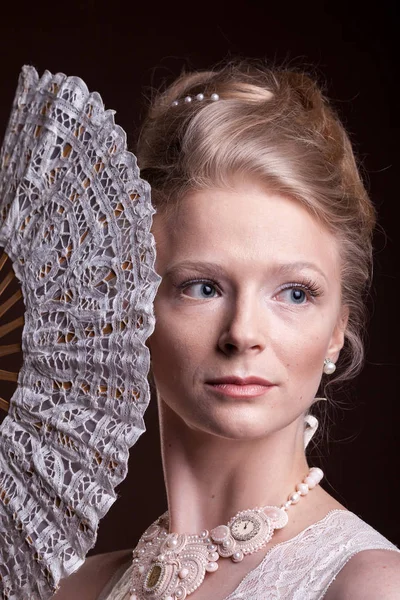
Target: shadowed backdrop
x,y
122,51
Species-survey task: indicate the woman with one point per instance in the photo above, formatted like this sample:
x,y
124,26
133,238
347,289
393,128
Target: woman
x,y
263,233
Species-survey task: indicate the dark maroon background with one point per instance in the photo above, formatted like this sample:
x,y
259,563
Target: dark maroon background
x,y
120,50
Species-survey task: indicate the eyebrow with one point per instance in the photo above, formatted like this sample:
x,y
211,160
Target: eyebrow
x,y
300,265
217,270
209,267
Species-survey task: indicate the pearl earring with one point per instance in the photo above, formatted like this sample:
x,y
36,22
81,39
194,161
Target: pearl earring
x,y
329,366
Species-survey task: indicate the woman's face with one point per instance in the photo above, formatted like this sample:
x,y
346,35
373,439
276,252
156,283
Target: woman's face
x,y
250,288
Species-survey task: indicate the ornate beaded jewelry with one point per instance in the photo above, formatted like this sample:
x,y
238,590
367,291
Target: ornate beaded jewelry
x,y
188,99
170,566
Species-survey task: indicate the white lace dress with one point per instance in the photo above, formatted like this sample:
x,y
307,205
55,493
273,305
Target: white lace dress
x,y
299,569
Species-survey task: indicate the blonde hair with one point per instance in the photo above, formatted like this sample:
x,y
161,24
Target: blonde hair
x,y
277,126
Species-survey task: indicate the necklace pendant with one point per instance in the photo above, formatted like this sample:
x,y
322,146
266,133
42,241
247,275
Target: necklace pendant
x,y
162,581
172,566
249,530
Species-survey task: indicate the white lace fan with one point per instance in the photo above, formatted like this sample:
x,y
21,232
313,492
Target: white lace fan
x,y
75,221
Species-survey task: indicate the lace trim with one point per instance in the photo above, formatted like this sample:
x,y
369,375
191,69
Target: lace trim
x,y
299,568
292,540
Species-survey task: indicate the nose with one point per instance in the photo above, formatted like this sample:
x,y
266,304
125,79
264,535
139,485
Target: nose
x,y
243,330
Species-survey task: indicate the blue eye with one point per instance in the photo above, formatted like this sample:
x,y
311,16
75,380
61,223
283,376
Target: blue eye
x,y
301,292
297,295
294,295
200,290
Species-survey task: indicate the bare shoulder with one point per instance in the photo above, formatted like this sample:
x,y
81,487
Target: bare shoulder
x,y
88,582
368,575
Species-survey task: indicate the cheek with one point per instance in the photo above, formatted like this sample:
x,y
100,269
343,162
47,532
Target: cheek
x,y
302,351
182,329
175,348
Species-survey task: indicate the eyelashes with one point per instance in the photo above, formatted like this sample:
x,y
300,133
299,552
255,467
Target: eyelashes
x,y
307,285
310,287
201,282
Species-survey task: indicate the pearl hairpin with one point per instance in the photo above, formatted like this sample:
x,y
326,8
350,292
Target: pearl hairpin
x,y
188,99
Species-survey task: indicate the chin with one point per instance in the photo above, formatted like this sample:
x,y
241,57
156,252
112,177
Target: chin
x,y
242,428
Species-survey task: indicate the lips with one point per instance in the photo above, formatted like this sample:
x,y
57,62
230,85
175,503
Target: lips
x,y
240,380
239,387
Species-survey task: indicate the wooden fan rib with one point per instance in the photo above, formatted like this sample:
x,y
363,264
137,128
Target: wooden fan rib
x,y
8,327
3,260
4,329
10,349
6,281
10,302
8,375
4,405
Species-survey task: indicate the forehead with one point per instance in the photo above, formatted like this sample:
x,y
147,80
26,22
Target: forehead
x,y
244,224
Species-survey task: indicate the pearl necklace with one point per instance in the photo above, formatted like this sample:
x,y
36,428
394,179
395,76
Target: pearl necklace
x,y
170,566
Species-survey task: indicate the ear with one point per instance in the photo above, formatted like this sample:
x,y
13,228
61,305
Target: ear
x,y
337,339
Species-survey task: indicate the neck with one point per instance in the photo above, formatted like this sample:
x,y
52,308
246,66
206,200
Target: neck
x,y
210,478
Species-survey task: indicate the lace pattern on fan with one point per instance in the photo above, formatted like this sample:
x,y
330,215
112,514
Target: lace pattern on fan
x,y
75,220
